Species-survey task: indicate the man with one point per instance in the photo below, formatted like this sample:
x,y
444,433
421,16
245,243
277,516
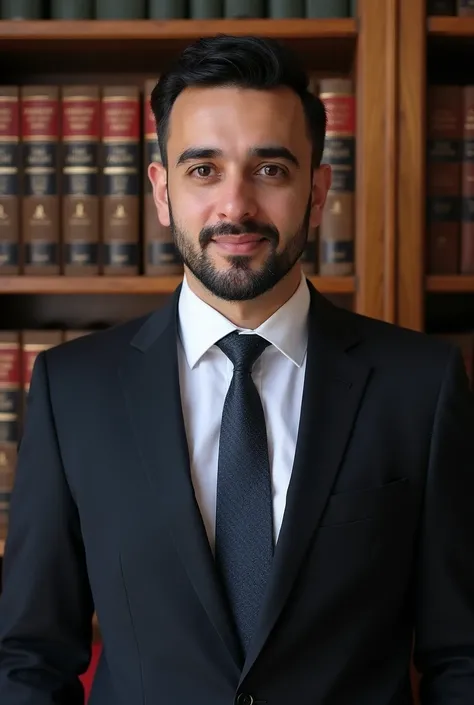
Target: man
x,y
267,499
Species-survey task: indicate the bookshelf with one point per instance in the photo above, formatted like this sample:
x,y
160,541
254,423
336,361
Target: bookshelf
x,y
51,51
122,52
431,50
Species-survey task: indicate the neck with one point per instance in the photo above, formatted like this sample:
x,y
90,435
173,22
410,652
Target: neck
x,y
252,313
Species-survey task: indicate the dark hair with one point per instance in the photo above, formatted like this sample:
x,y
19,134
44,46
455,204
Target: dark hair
x,y
247,62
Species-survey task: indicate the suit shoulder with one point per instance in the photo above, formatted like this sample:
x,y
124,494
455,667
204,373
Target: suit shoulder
x,y
402,345
95,349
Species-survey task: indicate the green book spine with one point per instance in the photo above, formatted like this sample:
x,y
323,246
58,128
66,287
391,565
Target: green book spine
x,y
353,8
205,9
71,9
167,9
279,9
22,9
327,8
236,9
120,9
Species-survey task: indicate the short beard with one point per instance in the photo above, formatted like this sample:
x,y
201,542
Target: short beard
x,y
240,282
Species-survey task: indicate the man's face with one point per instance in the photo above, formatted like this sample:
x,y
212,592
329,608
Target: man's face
x,y
239,192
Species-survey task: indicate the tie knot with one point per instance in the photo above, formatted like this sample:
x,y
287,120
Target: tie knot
x,y
242,350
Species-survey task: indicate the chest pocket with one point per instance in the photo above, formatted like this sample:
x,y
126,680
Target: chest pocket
x,y
367,504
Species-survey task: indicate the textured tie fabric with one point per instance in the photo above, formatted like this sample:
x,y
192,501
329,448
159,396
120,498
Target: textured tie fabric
x,y
244,519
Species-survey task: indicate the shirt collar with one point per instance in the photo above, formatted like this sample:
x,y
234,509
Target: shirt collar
x,y
201,326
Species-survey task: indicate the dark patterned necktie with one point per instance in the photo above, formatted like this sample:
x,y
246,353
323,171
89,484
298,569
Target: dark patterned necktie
x,y
244,515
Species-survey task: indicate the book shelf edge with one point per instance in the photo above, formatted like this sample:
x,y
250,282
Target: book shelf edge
x,y
457,283
451,27
134,285
86,30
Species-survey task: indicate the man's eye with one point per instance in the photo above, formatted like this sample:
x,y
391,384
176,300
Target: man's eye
x,y
202,171
273,170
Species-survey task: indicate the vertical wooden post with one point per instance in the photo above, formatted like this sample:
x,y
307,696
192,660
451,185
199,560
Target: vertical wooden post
x,y
376,69
411,164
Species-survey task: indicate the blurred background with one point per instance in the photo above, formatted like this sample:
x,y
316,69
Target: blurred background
x,y
80,244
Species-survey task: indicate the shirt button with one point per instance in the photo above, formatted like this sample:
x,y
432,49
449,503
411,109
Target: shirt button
x,y
244,699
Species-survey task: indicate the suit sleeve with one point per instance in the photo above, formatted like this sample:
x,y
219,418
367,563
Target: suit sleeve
x,y
444,625
45,606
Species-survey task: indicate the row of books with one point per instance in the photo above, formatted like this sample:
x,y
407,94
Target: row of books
x,y
76,199
450,179
461,8
18,352
173,9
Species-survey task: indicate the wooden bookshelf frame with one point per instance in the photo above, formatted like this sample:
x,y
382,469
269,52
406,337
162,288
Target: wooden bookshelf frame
x,y
370,38
419,34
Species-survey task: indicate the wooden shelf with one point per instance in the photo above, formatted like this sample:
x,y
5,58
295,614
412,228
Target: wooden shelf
x,y
451,27
141,46
132,285
52,31
2,546
450,284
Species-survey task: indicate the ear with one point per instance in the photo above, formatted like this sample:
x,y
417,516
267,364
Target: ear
x,y
322,178
158,177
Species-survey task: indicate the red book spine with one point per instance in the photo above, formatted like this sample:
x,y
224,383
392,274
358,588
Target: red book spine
x,y
467,223
80,169
40,202
121,137
9,181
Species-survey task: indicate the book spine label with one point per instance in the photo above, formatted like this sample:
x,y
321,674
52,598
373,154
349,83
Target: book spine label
x,y
160,256
467,188
280,9
9,181
121,180
120,9
444,154
327,8
441,7
465,8
241,9
337,226
40,203
80,167
10,416
205,9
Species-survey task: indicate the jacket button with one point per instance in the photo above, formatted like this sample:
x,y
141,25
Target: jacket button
x,y
244,699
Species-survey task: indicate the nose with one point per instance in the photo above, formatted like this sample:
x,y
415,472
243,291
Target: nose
x,y
236,200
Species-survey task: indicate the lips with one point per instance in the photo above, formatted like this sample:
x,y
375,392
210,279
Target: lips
x,y
238,239
239,244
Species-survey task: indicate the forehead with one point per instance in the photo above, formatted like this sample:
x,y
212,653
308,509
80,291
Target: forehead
x,y
231,118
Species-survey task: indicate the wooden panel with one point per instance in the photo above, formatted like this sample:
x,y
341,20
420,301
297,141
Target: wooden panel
x,y
376,66
411,164
454,284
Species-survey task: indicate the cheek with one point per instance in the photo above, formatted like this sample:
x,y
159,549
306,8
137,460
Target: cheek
x,y
191,210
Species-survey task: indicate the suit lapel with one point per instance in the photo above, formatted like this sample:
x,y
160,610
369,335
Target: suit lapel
x,y
333,391
150,379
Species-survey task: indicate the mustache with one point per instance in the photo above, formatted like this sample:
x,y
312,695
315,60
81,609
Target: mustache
x,y
249,226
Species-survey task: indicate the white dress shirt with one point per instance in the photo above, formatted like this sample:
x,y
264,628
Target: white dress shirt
x,y
205,375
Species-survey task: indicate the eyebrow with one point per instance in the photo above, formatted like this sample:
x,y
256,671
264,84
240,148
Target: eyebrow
x,y
268,152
